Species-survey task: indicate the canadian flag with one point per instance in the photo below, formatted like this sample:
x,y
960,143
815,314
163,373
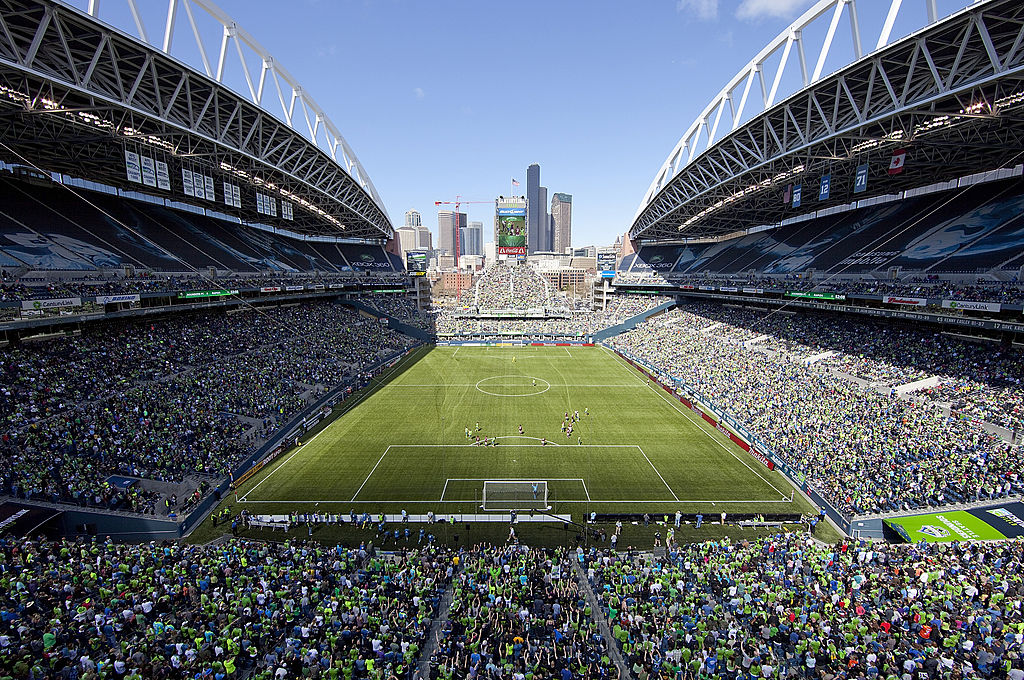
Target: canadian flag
x,y
899,157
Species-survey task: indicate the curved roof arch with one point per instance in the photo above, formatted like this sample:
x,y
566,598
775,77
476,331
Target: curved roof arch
x,y
784,82
206,38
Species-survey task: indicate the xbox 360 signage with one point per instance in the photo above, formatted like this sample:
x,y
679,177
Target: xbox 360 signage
x,y
367,260
815,296
659,262
972,306
192,294
51,303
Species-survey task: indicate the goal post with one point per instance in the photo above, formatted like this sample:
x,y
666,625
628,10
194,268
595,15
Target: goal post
x,y
515,495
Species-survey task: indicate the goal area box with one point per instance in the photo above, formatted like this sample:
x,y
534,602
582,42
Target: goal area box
x,y
515,495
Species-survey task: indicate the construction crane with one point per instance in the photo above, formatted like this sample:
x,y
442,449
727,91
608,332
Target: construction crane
x,y
458,202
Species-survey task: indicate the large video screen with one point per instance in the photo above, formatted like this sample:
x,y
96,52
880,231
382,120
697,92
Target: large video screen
x,y
416,262
510,228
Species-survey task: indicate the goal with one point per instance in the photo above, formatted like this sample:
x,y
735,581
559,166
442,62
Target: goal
x,y
515,495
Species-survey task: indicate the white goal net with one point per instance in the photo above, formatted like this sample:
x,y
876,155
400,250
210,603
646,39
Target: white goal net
x,y
515,495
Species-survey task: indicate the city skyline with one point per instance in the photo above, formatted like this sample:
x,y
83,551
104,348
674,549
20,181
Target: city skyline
x,y
429,124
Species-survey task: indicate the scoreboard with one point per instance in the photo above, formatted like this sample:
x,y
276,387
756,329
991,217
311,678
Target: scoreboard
x,y
416,262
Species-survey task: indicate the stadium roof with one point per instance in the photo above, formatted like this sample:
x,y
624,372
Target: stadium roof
x,y
950,94
77,93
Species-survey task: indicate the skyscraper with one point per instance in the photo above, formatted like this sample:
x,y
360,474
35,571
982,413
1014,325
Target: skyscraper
x,y
423,238
534,209
413,218
473,239
561,220
406,238
544,232
447,223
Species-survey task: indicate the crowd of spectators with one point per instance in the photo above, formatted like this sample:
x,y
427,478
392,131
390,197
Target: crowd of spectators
x,y
579,321
92,610
929,287
788,607
191,395
511,286
871,452
520,612
776,607
16,288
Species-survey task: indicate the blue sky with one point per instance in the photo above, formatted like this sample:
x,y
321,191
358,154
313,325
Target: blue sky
x,y
447,97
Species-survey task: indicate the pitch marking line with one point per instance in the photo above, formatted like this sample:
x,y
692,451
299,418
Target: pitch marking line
x,y
287,460
434,446
371,473
699,422
520,479
629,386
631,502
659,474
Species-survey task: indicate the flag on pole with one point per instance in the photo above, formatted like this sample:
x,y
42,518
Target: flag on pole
x,y
788,195
515,182
899,157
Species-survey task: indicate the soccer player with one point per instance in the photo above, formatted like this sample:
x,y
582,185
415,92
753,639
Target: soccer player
x,y
535,491
478,426
586,411
543,441
580,442
520,429
467,433
679,516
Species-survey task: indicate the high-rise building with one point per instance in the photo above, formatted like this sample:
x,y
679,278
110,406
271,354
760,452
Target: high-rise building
x,y
561,220
534,209
544,232
447,222
473,239
424,239
413,218
406,239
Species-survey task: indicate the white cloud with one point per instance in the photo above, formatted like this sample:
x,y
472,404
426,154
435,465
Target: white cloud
x,y
706,10
418,91
780,9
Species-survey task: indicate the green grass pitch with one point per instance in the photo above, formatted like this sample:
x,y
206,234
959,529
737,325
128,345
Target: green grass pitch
x,y
404,444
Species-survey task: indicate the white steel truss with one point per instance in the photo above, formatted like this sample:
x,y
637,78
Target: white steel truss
x,y
940,88
66,76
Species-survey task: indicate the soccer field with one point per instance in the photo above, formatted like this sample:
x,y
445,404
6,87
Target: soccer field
x,y
404,443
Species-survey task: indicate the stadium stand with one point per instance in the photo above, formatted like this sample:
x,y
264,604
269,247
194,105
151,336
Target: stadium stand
x,y
241,609
190,395
786,606
968,232
51,229
871,452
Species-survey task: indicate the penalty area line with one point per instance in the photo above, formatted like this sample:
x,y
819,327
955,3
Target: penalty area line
x,y
700,423
355,402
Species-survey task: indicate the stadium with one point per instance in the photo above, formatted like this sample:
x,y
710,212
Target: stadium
x,y
775,434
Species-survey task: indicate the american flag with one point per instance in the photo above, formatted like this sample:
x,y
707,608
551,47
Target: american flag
x,y
515,182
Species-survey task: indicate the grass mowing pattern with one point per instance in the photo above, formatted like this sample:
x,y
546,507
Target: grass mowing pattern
x,y
404,445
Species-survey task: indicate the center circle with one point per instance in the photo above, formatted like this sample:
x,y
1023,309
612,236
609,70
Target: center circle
x,y
513,386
